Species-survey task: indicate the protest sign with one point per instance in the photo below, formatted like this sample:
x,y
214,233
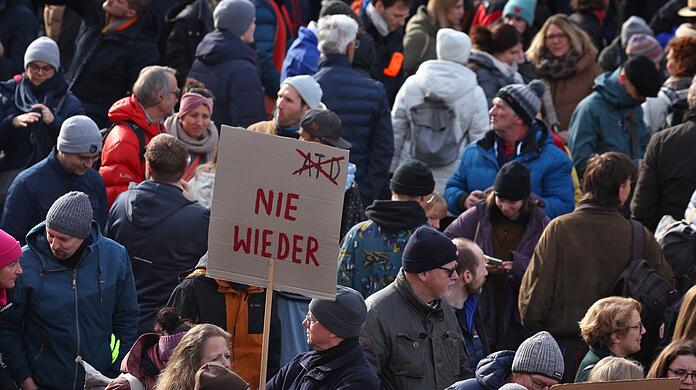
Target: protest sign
x,y
640,384
277,198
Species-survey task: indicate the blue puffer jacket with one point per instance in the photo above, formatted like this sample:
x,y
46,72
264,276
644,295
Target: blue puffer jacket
x,y
492,373
603,122
264,41
361,103
35,189
227,66
62,313
550,170
303,55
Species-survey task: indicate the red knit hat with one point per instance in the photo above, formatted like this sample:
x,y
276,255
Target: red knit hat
x,y
10,250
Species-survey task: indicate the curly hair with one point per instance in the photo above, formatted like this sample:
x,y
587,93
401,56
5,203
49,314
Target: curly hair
x,y
680,54
606,316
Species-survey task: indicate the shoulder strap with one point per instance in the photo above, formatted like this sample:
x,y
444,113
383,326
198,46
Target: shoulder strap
x,y
425,46
637,245
140,133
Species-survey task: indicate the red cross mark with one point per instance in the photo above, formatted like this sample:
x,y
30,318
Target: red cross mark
x,y
308,164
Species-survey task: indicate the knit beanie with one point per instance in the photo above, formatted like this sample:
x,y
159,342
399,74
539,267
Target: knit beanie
x,y
343,317
685,30
634,25
79,134
452,45
191,100
71,214
217,377
513,386
10,250
540,355
308,89
646,45
412,177
525,100
512,182
166,345
522,8
427,249
644,75
43,49
234,16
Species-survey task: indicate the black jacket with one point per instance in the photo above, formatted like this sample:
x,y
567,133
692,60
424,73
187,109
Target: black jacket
x,y
590,24
189,22
164,233
18,28
385,48
668,177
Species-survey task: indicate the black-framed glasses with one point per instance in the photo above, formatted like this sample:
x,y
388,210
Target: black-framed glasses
x,y
683,374
37,68
538,385
176,92
449,271
552,37
639,326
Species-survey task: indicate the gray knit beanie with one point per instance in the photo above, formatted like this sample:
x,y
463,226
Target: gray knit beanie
x,y
633,25
71,214
43,49
79,134
308,89
234,16
344,316
525,100
540,355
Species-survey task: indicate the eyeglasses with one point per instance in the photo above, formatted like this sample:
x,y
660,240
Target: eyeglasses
x,y
310,319
87,159
538,385
552,37
449,271
176,92
683,374
639,326
40,69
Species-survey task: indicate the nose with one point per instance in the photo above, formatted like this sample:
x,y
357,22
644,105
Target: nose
x,y
454,275
19,269
226,362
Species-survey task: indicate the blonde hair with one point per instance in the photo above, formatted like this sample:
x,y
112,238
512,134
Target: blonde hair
x,y
613,368
180,372
580,42
685,328
439,8
606,316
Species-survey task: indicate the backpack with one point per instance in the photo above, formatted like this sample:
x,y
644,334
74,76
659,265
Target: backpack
x,y
678,244
139,132
433,139
678,105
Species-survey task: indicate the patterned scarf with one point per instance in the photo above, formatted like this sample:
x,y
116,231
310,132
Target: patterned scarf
x,y
554,68
116,25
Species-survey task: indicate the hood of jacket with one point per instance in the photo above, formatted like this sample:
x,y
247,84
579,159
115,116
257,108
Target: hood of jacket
x,y
493,370
395,216
129,109
222,46
37,241
150,203
446,80
488,61
608,86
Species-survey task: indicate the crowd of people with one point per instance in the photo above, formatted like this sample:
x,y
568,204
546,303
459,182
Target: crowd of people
x,y
518,211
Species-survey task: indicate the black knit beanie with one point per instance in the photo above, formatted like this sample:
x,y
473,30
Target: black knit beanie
x,y
427,249
512,182
413,178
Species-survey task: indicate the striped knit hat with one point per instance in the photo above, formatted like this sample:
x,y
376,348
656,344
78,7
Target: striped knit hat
x,y
646,45
525,100
540,355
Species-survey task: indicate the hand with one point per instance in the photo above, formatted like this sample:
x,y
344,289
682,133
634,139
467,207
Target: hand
x,y
473,198
28,384
25,120
46,114
187,192
494,269
507,265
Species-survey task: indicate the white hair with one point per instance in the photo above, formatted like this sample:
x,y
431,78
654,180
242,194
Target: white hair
x,y
336,32
691,96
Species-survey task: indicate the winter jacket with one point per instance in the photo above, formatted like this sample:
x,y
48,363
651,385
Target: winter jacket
x,y
419,41
370,256
18,28
26,146
413,345
590,24
303,55
272,25
475,224
593,356
165,235
612,56
62,313
227,66
349,371
492,74
6,381
454,84
364,111
491,374
144,361
122,160
550,170
473,330
667,178
567,92
189,23
656,110
35,189
574,254
202,186
604,122
106,65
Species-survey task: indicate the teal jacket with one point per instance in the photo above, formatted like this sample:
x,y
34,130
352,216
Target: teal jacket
x,y
603,122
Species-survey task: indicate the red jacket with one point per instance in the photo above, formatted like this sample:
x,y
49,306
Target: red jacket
x,y
120,159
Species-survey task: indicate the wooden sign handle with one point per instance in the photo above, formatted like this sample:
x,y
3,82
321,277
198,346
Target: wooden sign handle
x,y
266,325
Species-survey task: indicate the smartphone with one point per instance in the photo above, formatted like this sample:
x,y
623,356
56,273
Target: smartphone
x,y
493,261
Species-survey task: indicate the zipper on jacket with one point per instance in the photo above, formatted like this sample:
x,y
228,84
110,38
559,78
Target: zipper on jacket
x,y
77,325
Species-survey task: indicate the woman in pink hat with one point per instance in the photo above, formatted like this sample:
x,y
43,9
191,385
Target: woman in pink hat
x,y
10,252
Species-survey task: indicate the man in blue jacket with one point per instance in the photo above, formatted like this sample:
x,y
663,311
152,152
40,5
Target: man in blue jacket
x,y
359,101
515,135
164,231
76,292
610,119
67,168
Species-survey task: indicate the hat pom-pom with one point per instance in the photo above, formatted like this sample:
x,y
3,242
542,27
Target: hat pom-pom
x,y
537,86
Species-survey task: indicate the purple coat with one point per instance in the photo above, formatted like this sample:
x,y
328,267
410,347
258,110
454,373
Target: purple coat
x,y
505,332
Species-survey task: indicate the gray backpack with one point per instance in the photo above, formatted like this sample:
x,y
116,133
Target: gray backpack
x,y
433,139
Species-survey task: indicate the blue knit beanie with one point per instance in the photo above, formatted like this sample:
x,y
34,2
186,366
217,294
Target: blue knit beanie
x,y
521,8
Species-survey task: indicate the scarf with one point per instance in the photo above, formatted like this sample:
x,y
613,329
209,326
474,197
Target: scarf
x,y
28,94
377,21
205,144
116,25
554,68
509,71
320,358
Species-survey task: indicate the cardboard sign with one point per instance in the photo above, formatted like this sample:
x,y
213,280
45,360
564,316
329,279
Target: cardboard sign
x,y
277,198
641,384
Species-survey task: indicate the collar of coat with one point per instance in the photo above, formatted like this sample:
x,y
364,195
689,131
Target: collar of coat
x,y
532,142
323,371
422,308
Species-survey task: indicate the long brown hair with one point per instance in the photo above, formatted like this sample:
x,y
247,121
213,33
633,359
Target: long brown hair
x,y
580,42
685,327
438,9
675,349
527,207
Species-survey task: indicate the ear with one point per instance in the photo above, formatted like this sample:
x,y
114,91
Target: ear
x,y
468,276
130,13
615,337
379,6
423,276
622,78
